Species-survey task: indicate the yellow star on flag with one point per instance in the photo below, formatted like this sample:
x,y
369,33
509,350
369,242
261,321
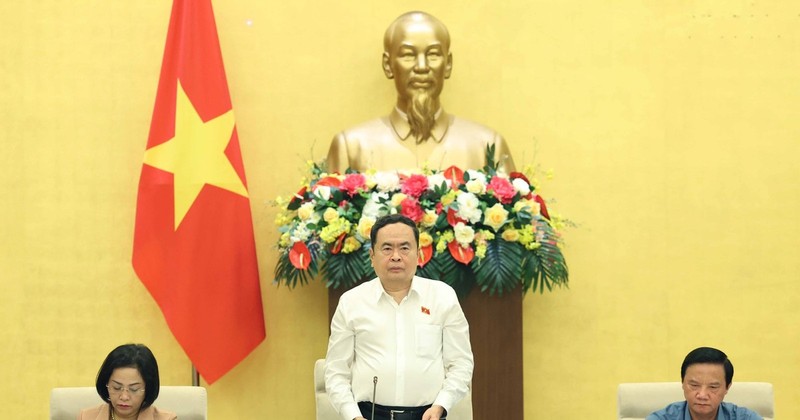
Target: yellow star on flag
x,y
196,155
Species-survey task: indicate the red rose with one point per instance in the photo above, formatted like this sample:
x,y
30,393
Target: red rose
x,y
415,185
353,183
502,189
410,208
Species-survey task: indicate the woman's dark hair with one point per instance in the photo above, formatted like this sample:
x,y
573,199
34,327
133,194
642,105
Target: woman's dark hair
x,y
708,355
390,220
136,356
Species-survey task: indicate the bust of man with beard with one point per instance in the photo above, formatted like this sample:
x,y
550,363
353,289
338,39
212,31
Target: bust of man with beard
x,y
418,131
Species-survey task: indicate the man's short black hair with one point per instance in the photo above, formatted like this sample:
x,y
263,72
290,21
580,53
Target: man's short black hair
x,y
708,355
136,356
390,220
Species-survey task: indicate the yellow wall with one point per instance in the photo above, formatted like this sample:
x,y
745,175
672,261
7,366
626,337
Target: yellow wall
x,y
671,126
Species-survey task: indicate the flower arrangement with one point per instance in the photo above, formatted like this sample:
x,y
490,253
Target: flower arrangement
x,y
477,227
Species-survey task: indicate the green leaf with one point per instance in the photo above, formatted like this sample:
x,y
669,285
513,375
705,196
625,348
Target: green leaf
x,y
444,268
546,267
347,270
289,275
500,271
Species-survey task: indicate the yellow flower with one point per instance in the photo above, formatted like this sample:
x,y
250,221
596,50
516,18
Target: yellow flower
x,y
335,229
330,214
531,206
480,250
305,211
365,226
444,239
484,235
510,235
533,245
350,244
285,241
283,218
429,218
495,216
397,199
425,239
526,235
448,198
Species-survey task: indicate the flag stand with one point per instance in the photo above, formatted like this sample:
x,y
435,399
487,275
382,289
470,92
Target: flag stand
x,y
195,376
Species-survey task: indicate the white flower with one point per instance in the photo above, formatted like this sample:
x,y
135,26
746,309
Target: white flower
x,y
323,192
521,186
436,180
464,234
387,181
476,176
468,207
300,233
372,209
476,186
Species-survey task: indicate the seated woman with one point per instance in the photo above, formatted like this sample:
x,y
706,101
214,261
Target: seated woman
x,y
128,381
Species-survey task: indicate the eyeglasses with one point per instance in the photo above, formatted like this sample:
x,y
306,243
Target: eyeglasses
x,y
402,250
119,389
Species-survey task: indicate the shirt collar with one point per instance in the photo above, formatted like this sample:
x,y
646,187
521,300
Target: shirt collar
x,y
399,121
377,291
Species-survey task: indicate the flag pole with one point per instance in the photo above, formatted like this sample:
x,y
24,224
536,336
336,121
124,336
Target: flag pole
x,y
195,376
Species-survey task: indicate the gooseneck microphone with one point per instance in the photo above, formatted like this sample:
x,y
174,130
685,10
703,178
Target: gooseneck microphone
x,y
374,389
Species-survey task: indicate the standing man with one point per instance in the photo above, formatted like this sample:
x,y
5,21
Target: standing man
x,y
418,131
706,374
399,337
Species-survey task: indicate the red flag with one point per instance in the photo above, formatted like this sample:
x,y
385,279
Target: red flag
x,y
193,245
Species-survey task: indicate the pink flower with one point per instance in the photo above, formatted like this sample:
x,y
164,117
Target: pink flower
x,y
410,208
353,183
415,185
502,189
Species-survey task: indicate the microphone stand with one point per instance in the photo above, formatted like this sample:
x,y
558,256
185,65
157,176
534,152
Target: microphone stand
x,y
374,389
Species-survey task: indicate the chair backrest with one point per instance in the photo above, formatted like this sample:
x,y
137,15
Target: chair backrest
x,y
636,400
188,402
325,411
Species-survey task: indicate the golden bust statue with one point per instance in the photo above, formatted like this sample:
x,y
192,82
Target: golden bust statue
x,y
418,131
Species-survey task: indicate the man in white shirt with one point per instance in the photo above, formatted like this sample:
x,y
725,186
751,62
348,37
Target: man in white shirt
x,y
399,337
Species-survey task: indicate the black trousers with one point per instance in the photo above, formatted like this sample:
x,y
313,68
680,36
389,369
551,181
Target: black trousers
x,y
388,412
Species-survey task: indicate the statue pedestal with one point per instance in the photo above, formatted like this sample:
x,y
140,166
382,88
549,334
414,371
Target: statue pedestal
x,y
495,327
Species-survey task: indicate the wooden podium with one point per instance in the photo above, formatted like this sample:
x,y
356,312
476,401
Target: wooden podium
x,y
495,327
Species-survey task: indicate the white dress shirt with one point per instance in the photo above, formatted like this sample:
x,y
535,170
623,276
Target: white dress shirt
x,y
419,349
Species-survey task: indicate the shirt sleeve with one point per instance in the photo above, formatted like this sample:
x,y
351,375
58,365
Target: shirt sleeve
x,y
457,356
338,363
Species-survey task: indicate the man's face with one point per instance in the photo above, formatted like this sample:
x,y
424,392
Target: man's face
x,y
417,60
394,254
704,388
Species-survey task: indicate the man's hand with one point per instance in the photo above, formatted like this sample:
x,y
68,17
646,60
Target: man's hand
x,y
359,418
433,413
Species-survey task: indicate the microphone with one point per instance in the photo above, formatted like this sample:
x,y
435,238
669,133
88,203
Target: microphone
x,y
374,389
